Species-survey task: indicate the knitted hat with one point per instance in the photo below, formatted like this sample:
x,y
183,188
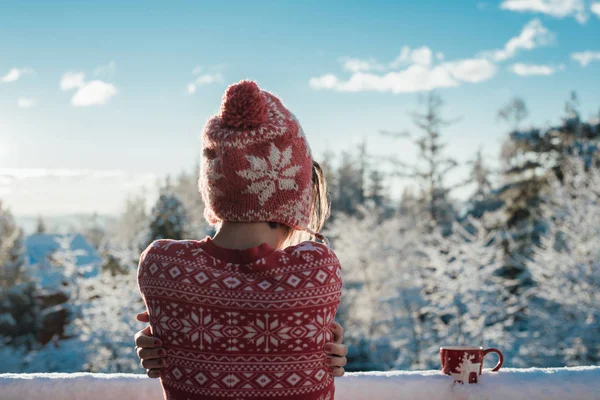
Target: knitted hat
x,y
256,163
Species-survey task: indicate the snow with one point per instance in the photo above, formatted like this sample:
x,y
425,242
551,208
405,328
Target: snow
x,y
72,251
41,245
510,383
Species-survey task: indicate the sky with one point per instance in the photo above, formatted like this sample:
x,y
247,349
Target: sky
x,y
101,99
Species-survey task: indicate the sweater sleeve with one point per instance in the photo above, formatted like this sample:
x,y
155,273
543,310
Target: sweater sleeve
x,y
142,262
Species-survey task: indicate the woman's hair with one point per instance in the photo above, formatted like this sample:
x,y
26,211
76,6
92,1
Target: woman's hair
x,y
319,211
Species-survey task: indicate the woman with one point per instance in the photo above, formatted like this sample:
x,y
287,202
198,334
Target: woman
x,y
247,313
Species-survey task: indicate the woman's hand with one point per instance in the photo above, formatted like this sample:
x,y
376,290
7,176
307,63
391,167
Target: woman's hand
x,y
148,349
336,351
152,355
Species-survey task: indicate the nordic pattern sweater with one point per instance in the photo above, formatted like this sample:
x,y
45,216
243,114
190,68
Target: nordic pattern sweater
x,y
242,324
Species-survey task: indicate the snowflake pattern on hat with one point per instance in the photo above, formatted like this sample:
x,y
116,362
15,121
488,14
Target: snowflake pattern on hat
x,y
268,175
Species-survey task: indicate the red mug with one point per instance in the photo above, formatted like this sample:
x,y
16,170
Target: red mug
x,y
464,363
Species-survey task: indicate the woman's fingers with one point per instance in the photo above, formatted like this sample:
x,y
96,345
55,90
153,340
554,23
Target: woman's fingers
x,y
153,373
338,332
336,349
154,363
143,317
148,354
144,339
337,371
336,361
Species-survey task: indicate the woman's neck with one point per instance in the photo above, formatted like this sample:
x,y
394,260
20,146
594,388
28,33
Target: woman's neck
x,y
245,235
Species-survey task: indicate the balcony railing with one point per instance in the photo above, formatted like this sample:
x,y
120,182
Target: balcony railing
x,y
510,383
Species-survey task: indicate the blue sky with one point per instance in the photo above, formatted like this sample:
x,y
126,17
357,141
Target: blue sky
x,y
96,102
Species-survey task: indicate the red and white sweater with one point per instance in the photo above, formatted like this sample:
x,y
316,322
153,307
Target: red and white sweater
x,y
242,324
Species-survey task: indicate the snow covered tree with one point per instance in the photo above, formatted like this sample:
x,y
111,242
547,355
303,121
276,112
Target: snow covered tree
x,y
470,303
381,302
12,253
532,157
132,225
100,320
92,229
185,187
565,317
480,177
106,322
168,218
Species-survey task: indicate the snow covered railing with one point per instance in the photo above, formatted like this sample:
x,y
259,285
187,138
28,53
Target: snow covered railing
x,y
510,383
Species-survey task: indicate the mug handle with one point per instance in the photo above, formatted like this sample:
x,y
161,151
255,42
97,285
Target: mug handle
x,y
500,357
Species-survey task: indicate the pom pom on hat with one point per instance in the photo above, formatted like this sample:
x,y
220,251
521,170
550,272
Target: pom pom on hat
x,y
244,106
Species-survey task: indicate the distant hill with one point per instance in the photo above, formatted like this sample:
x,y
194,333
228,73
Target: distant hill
x,y
68,223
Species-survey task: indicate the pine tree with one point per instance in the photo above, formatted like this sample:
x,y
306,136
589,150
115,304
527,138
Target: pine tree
x,y
532,157
41,225
479,175
12,252
431,171
350,193
168,219
566,271
514,112
376,189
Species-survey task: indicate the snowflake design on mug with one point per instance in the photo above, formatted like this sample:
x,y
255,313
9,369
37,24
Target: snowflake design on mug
x,y
271,173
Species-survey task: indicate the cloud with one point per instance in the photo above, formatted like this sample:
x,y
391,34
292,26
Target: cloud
x,y
14,74
328,81
472,70
586,57
596,9
191,88
419,56
554,8
207,79
203,79
93,93
26,102
357,65
90,93
72,80
106,69
415,78
533,35
532,69
415,70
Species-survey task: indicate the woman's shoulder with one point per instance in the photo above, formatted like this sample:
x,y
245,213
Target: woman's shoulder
x,y
170,248
312,251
